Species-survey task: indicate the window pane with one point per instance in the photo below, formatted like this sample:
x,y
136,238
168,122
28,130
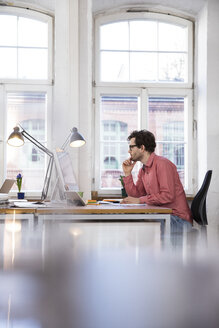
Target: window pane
x,y
143,35
27,56
32,33
114,66
29,110
143,50
8,24
172,37
32,64
8,63
143,66
114,36
120,115
166,121
172,67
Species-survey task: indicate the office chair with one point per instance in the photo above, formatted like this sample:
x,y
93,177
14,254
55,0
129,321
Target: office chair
x,y
198,206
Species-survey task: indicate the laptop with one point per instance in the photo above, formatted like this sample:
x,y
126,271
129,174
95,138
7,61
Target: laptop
x,y
74,198
7,185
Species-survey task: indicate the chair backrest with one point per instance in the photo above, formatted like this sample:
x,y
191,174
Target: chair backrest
x,y
198,206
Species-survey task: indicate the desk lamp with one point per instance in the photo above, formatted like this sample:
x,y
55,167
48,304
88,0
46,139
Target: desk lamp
x,y
74,139
16,139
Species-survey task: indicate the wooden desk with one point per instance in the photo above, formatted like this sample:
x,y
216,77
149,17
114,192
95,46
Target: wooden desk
x,y
104,209
101,212
16,210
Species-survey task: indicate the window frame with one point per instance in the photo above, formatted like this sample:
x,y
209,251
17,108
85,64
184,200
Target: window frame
x,y
143,94
143,90
27,85
136,92
7,88
32,14
101,20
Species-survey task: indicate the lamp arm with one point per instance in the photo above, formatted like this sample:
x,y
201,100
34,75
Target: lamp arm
x,y
66,141
36,143
50,164
47,179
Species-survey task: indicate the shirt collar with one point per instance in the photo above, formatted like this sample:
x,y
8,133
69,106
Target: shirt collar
x,y
150,160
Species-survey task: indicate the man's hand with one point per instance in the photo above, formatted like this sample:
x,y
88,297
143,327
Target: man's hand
x,y
127,166
130,200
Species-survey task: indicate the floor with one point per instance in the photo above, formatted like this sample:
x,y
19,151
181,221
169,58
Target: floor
x,y
56,272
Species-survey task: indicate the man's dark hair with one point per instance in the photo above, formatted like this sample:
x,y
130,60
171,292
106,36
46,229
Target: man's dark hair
x,y
143,137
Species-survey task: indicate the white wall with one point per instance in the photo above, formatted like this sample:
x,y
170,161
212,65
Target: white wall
x,y
73,82
200,94
85,95
207,102
66,79
213,107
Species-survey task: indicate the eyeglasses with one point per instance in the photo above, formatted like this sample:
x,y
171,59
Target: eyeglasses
x,y
132,146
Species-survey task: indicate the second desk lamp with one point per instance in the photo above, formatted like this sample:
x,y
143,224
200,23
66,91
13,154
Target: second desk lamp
x,y
16,139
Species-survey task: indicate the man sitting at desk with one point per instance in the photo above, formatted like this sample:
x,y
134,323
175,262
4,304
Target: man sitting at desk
x,y
158,181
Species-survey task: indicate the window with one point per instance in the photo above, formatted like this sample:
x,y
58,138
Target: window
x,y
29,109
139,50
25,49
153,48
113,136
166,121
35,156
143,80
111,153
25,91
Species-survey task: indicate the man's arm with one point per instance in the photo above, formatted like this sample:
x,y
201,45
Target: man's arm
x,y
134,190
130,200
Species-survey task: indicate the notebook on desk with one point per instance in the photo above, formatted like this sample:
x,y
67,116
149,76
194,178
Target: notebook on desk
x,y
74,198
7,185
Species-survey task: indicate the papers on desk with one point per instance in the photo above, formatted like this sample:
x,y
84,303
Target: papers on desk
x,y
117,203
132,204
28,204
3,197
12,200
110,201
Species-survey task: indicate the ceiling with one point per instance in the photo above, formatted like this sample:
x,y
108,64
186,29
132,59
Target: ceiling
x,y
47,5
190,7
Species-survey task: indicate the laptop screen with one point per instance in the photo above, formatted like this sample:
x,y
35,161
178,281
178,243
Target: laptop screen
x,y
7,185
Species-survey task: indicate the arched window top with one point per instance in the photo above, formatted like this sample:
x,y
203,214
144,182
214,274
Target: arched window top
x,y
143,48
25,45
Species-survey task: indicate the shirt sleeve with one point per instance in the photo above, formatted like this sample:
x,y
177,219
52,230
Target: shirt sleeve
x,y
165,174
132,189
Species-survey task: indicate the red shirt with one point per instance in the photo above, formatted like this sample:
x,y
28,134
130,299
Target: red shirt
x,y
159,184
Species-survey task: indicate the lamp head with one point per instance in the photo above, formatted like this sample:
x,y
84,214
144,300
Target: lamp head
x,y
16,138
76,139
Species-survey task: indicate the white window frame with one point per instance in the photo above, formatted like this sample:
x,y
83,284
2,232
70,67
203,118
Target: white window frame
x,y
27,85
144,90
135,92
29,13
101,20
144,94
7,88
188,127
